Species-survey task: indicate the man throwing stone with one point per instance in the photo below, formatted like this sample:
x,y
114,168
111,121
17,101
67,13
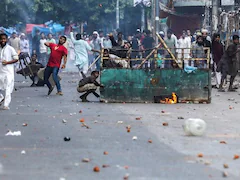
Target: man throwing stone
x,y
58,51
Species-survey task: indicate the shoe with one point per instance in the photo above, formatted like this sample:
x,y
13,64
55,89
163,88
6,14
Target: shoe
x,y
84,99
33,85
221,90
214,86
59,93
50,91
231,90
6,108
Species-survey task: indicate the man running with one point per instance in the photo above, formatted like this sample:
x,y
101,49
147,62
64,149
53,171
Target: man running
x,y
8,56
81,49
58,51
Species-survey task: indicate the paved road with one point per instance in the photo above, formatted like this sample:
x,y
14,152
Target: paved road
x,y
170,156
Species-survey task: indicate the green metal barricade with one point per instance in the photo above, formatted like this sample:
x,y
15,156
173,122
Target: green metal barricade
x,y
138,84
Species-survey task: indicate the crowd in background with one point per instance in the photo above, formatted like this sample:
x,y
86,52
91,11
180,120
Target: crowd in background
x,y
185,47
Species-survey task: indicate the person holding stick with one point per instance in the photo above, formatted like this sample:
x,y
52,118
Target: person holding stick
x,y
81,49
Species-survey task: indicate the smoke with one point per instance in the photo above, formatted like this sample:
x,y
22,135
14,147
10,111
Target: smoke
x,y
24,5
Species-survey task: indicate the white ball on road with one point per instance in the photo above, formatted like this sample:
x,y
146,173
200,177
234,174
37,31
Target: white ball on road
x,y
194,127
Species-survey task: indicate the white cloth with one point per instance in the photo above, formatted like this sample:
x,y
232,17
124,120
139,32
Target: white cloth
x,y
176,40
218,75
15,43
107,44
7,53
96,44
184,46
101,40
71,51
42,47
117,59
189,38
81,49
24,46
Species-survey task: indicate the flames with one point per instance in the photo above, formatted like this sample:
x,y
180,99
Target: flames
x,y
172,100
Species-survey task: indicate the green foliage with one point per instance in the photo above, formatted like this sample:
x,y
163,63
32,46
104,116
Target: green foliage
x,y
95,12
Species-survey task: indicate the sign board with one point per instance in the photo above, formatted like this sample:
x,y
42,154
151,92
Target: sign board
x,y
145,2
227,2
181,3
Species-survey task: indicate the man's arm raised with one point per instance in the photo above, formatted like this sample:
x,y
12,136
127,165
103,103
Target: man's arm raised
x,y
47,44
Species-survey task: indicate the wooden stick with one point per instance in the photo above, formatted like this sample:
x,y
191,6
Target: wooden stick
x,y
101,60
166,47
94,62
208,57
148,56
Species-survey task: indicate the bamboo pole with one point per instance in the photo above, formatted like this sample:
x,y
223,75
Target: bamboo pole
x,y
93,62
166,47
148,56
208,57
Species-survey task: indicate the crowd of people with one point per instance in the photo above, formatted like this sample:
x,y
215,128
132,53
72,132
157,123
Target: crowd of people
x,y
48,52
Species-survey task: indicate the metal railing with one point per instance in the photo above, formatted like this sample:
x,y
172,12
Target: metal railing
x,y
157,57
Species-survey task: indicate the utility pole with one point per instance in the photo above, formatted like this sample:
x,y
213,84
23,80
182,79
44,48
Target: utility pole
x,y
153,18
117,15
142,17
157,19
215,6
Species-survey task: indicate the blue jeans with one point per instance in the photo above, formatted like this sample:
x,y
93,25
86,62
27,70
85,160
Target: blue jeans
x,y
47,73
98,63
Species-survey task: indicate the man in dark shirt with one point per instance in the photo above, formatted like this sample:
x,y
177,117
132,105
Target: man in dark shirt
x,y
135,48
148,44
36,43
229,64
206,42
88,85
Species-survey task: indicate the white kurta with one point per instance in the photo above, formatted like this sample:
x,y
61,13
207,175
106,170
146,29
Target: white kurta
x,y
81,49
184,46
7,72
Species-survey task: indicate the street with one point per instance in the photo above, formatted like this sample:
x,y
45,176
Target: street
x,y
41,153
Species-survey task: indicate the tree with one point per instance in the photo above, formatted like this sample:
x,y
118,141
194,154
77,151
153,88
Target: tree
x,y
99,14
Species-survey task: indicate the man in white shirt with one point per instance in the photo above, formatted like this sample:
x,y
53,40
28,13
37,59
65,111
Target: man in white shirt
x,y
101,37
43,50
81,49
107,44
24,44
8,56
14,41
96,44
184,46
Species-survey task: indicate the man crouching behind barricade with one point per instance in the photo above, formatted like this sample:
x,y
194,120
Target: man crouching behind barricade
x,y
89,85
